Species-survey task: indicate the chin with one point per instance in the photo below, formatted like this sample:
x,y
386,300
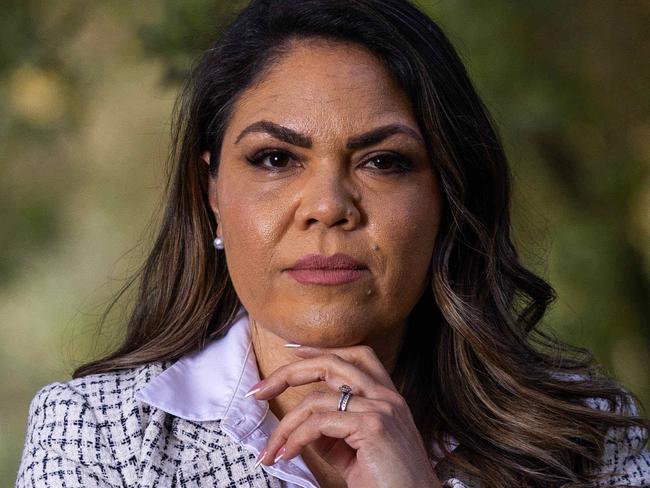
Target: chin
x,y
328,326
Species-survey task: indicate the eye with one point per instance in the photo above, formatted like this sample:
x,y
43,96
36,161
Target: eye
x,y
272,159
391,163
276,160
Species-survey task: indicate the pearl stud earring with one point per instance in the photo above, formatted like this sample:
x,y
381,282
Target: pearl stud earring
x,y
218,243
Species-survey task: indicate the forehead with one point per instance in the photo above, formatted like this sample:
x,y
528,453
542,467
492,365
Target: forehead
x,y
324,87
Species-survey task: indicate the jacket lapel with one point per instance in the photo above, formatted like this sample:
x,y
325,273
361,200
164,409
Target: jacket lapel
x,y
211,458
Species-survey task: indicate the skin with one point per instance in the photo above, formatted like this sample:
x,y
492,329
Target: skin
x,y
326,199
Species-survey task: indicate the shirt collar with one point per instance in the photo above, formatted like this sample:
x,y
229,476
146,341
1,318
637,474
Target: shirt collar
x,y
210,384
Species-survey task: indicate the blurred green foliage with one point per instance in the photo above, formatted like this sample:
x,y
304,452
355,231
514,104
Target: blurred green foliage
x,y
86,90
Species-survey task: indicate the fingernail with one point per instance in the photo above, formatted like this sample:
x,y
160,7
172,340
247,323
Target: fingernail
x,y
260,458
280,454
292,345
254,389
252,392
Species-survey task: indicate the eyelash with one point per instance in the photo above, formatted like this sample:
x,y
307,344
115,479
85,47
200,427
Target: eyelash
x,y
405,163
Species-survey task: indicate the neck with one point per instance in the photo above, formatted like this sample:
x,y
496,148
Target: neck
x,y
271,354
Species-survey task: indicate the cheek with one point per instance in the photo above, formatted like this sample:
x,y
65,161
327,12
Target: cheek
x,y
254,221
251,213
407,225
252,226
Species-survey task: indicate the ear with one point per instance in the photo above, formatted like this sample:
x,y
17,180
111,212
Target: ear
x,y
205,156
212,188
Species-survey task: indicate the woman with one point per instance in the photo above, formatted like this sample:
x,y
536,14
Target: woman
x,y
356,192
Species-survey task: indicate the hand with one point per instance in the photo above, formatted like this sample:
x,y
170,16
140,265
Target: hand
x,y
374,443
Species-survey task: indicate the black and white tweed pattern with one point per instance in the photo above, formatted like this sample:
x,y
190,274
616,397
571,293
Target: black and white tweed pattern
x,y
91,432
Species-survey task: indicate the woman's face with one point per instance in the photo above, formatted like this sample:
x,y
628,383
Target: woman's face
x,y
326,190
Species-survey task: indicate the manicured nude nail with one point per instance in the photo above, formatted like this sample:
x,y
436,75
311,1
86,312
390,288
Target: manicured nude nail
x,y
252,392
292,345
254,389
280,454
260,458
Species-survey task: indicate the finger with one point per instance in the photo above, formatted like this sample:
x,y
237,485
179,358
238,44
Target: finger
x,y
354,428
361,356
321,401
330,368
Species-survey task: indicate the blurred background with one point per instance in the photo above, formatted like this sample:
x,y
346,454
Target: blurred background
x,y
86,92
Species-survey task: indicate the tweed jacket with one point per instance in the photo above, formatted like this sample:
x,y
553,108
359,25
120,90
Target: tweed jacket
x,y
92,432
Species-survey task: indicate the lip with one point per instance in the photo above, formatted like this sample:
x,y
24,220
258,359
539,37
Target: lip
x,y
327,270
335,261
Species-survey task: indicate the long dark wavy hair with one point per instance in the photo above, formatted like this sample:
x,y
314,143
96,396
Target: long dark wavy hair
x,y
474,363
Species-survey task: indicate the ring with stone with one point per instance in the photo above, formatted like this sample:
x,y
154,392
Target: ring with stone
x,y
346,394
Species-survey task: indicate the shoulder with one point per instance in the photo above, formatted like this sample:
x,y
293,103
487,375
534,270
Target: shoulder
x,y
84,416
632,438
619,440
625,457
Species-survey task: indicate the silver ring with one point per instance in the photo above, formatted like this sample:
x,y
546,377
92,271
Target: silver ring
x,y
346,394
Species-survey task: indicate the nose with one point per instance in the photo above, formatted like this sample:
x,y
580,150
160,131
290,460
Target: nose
x,y
329,198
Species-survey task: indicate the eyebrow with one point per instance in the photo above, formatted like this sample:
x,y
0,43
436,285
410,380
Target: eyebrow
x,y
290,136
